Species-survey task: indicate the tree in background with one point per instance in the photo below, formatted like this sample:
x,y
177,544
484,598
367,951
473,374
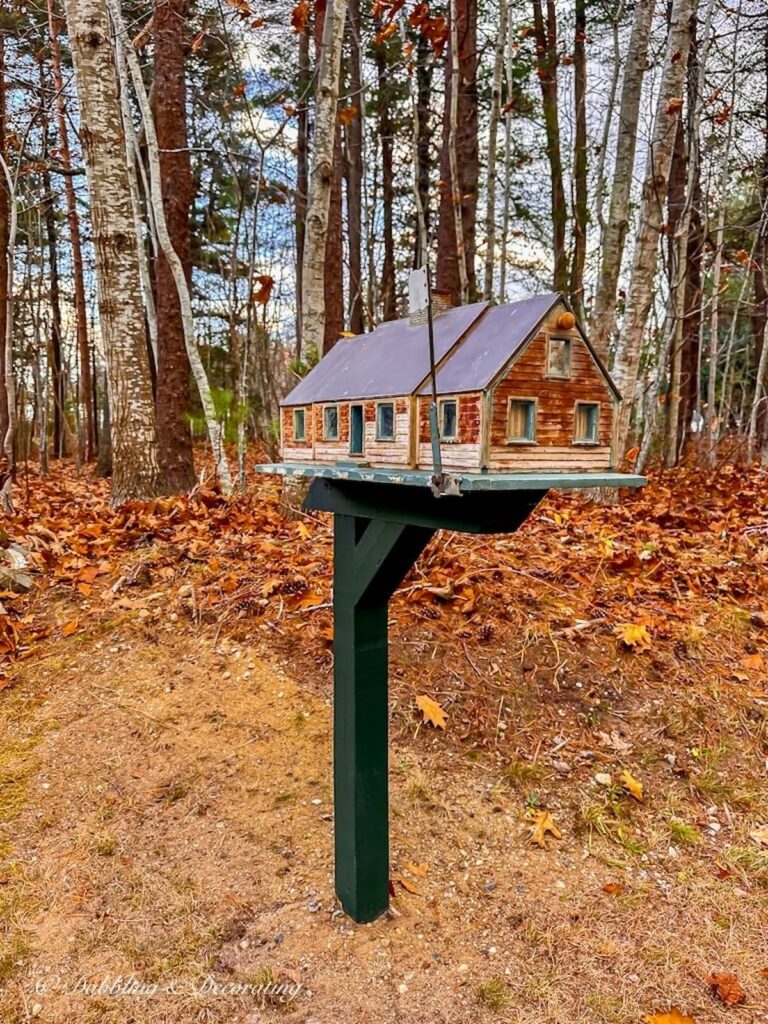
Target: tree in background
x,y
135,460
315,281
459,157
170,111
645,259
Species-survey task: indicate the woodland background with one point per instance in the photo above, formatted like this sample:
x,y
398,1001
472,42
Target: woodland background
x,y
196,201
262,177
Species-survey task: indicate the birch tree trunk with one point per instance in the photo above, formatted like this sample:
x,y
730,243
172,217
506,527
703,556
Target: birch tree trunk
x,y
302,177
689,145
321,177
73,220
386,129
215,431
4,226
493,132
8,185
334,240
615,234
135,465
580,198
655,184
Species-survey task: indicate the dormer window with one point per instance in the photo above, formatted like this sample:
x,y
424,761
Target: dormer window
x,y
559,358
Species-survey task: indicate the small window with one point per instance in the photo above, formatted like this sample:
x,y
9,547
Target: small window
x,y
385,421
521,424
559,357
449,419
299,425
587,425
331,423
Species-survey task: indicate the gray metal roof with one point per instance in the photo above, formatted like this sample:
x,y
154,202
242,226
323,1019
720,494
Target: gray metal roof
x,y
472,345
476,360
392,360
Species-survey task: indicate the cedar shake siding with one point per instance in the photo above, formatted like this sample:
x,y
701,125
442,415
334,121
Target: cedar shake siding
x,y
556,399
463,452
317,448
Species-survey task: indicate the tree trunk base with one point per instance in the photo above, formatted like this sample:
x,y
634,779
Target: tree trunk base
x,y
293,491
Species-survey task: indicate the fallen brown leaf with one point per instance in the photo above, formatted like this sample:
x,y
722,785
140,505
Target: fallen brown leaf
x,y
432,712
727,987
541,825
632,786
673,1016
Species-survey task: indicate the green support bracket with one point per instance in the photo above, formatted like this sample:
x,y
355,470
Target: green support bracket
x,y
379,531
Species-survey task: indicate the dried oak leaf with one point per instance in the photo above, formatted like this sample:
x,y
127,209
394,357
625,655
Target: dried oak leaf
x,y
431,711
632,786
348,114
541,825
674,105
69,627
727,987
673,1016
407,885
263,292
631,635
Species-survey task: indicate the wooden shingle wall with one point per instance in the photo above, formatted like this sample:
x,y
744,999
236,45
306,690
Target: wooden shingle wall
x,y
554,448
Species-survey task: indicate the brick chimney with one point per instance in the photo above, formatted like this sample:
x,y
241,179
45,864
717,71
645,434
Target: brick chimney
x,y
442,301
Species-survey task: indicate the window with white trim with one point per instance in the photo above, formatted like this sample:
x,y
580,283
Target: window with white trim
x,y
385,421
300,424
331,423
449,419
521,420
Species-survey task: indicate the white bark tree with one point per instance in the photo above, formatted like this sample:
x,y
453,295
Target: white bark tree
x,y
135,465
215,431
321,176
615,232
9,182
655,185
493,131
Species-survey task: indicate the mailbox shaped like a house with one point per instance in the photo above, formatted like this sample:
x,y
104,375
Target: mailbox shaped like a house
x,y
520,389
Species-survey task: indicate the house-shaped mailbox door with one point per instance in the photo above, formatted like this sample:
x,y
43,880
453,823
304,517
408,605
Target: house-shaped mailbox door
x,y
520,389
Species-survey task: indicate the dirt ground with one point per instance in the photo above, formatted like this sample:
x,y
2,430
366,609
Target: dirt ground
x,y
166,819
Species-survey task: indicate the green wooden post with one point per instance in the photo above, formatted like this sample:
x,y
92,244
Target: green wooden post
x,y
370,559
380,527
382,520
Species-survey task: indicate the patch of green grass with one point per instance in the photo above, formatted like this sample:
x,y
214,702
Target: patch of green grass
x,y
752,862
608,1007
683,833
280,799
609,818
520,774
176,790
494,993
16,766
103,844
